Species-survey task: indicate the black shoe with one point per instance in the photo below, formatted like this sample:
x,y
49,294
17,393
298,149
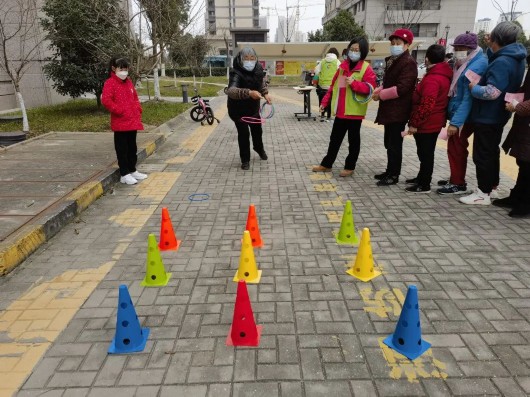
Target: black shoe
x,y
388,180
519,212
383,175
442,182
412,181
452,189
245,166
262,154
507,202
418,189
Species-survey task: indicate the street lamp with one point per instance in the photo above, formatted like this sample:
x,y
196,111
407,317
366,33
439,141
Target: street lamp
x,y
447,28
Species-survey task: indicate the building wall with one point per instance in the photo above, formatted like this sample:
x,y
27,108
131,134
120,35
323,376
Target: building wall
x,y
484,25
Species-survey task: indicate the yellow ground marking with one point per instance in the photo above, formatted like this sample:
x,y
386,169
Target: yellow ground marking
x,y
196,139
381,303
325,187
35,320
333,216
325,176
18,247
156,187
333,203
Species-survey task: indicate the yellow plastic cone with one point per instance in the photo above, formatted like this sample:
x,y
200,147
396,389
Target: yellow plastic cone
x,y
363,268
347,234
248,270
155,274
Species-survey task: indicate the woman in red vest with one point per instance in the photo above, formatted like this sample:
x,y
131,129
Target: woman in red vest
x,y
350,91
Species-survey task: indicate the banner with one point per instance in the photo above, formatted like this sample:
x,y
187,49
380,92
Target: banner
x,y
279,68
293,68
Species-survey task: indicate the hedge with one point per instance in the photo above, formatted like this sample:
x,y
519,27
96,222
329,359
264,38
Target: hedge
x,y
198,72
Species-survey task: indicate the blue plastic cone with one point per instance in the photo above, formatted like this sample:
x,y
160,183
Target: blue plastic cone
x,y
130,336
406,339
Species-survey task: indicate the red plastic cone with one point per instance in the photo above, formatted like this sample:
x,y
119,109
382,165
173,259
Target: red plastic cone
x,y
168,240
253,228
244,331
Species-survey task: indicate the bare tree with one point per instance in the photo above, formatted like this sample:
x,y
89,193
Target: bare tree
x,y
511,13
20,39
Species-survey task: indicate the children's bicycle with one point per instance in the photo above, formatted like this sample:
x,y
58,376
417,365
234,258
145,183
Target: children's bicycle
x,y
202,111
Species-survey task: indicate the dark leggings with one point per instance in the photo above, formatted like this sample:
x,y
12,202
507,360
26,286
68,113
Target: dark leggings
x,y
243,136
125,145
340,127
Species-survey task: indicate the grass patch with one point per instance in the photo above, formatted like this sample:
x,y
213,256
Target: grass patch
x,y
168,89
83,115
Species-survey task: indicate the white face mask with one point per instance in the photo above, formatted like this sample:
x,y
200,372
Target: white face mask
x,y
396,50
460,55
354,56
122,74
249,65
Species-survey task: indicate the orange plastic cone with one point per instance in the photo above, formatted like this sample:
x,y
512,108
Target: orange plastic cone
x,y
253,228
168,240
248,269
244,331
363,268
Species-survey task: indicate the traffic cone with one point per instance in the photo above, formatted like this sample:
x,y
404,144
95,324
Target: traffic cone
x,y
130,337
155,274
406,339
253,228
363,268
168,240
244,331
248,270
347,234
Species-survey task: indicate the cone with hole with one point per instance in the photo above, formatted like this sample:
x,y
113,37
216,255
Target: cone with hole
x,y
168,240
406,339
244,331
364,267
248,269
347,234
130,337
155,273
253,228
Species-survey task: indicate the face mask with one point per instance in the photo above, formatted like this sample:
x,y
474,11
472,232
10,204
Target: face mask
x,y
354,56
249,65
122,74
396,50
460,55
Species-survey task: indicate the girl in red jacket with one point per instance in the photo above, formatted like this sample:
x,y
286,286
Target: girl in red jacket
x,y
429,106
121,99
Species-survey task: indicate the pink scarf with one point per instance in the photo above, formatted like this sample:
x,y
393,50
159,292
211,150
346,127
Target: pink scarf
x,y
461,69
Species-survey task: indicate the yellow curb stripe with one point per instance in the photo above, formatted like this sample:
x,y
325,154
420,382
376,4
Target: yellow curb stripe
x,y
86,194
26,241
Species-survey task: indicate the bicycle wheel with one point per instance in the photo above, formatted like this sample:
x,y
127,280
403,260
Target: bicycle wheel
x,y
197,114
209,116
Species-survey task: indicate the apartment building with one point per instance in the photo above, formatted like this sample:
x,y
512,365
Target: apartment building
x,y
484,25
431,21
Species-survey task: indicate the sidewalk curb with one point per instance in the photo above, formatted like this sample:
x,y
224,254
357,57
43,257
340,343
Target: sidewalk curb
x,y
21,244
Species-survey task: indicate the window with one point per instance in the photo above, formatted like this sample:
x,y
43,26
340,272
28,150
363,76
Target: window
x,y
415,29
363,4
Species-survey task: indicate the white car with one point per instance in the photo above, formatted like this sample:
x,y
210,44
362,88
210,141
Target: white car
x,y
422,69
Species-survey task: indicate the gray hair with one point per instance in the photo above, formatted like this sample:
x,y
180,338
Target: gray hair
x,y
247,51
505,33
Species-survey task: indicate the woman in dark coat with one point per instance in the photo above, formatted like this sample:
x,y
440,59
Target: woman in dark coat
x,y
517,144
245,89
401,73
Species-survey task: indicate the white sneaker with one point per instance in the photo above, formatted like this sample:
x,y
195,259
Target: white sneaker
x,y
477,198
128,179
139,176
494,194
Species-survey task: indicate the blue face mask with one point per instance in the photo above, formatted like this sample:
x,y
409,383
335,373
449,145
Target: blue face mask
x,y
249,65
354,56
396,50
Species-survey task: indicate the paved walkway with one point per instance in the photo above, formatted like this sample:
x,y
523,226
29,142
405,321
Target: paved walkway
x,y
322,329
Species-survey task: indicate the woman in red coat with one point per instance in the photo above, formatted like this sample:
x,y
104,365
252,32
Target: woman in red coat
x,y
428,117
121,99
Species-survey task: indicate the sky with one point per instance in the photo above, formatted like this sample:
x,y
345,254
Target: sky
x,y
311,16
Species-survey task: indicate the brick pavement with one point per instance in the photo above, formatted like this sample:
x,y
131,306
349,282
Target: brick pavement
x,y
322,329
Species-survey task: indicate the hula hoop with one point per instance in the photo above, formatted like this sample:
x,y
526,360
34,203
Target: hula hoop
x,y
199,197
368,98
263,117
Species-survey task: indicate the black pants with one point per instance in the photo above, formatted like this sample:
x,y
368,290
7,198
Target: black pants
x,y
394,147
521,191
125,145
243,136
486,155
340,126
425,145
321,93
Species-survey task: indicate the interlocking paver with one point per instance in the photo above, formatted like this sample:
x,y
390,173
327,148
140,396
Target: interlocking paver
x,y
322,330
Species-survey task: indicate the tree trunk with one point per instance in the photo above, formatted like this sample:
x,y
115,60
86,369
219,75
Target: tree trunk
x,y
156,83
98,99
162,62
25,122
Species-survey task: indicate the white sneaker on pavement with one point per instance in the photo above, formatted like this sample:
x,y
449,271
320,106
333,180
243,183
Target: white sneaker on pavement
x,y
128,179
494,194
478,197
138,176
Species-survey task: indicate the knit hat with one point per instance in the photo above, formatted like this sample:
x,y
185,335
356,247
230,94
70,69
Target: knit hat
x,y
469,40
403,34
